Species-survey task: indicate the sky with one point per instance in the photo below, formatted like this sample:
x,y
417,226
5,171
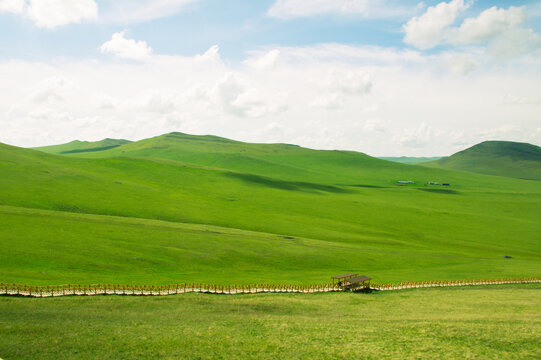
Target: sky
x,y
384,77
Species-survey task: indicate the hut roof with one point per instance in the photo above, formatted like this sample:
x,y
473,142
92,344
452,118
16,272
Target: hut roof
x,y
344,276
358,279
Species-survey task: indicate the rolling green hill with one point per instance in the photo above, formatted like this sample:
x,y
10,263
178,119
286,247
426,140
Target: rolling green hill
x,y
77,146
151,218
282,161
501,158
279,161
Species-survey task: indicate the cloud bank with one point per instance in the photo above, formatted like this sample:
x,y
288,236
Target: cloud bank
x,y
51,14
290,9
383,101
502,30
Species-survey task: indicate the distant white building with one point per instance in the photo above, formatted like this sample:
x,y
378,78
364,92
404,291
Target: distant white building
x,y
405,182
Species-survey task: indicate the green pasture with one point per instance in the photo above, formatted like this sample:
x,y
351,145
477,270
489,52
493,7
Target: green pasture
x,y
77,146
157,220
43,247
278,161
492,322
500,158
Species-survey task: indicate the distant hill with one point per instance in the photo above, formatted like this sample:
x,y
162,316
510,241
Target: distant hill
x,y
78,146
282,161
410,160
501,158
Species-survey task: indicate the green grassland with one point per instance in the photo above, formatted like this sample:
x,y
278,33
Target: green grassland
x,y
493,322
182,208
501,158
78,146
51,247
279,161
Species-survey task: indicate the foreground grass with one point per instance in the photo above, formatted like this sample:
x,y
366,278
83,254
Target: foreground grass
x,y
478,322
42,247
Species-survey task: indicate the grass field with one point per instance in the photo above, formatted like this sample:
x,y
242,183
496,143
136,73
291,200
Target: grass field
x,y
501,158
180,208
51,247
144,219
454,323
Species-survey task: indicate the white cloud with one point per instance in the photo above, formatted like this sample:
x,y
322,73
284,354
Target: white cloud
x,y
126,48
288,9
51,14
375,125
137,11
488,25
514,42
330,53
267,61
522,100
348,81
330,101
212,54
302,8
508,132
501,29
339,86
12,6
416,138
51,89
276,132
459,63
428,30
378,94
238,98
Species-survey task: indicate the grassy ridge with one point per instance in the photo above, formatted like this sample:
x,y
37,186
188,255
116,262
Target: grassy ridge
x,y
371,225
279,161
480,322
501,158
77,146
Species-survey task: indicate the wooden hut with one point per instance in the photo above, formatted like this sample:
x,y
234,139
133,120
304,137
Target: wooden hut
x,y
339,279
357,283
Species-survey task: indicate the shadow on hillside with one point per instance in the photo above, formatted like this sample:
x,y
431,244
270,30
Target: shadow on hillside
x,y
103,148
368,186
286,185
440,191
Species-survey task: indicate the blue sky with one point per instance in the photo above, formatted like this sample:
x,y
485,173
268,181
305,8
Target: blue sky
x,y
354,53
236,25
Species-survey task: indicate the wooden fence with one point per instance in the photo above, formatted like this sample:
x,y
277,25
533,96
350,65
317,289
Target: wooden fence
x,y
444,283
111,289
149,290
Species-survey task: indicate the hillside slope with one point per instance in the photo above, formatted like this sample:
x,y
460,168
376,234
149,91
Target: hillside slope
x,y
315,228
279,161
501,158
77,146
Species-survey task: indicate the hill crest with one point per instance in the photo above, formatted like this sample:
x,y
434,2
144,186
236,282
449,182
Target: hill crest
x,y
496,157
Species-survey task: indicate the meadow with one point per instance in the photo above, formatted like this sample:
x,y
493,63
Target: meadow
x,y
474,322
179,208
157,219
501,158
